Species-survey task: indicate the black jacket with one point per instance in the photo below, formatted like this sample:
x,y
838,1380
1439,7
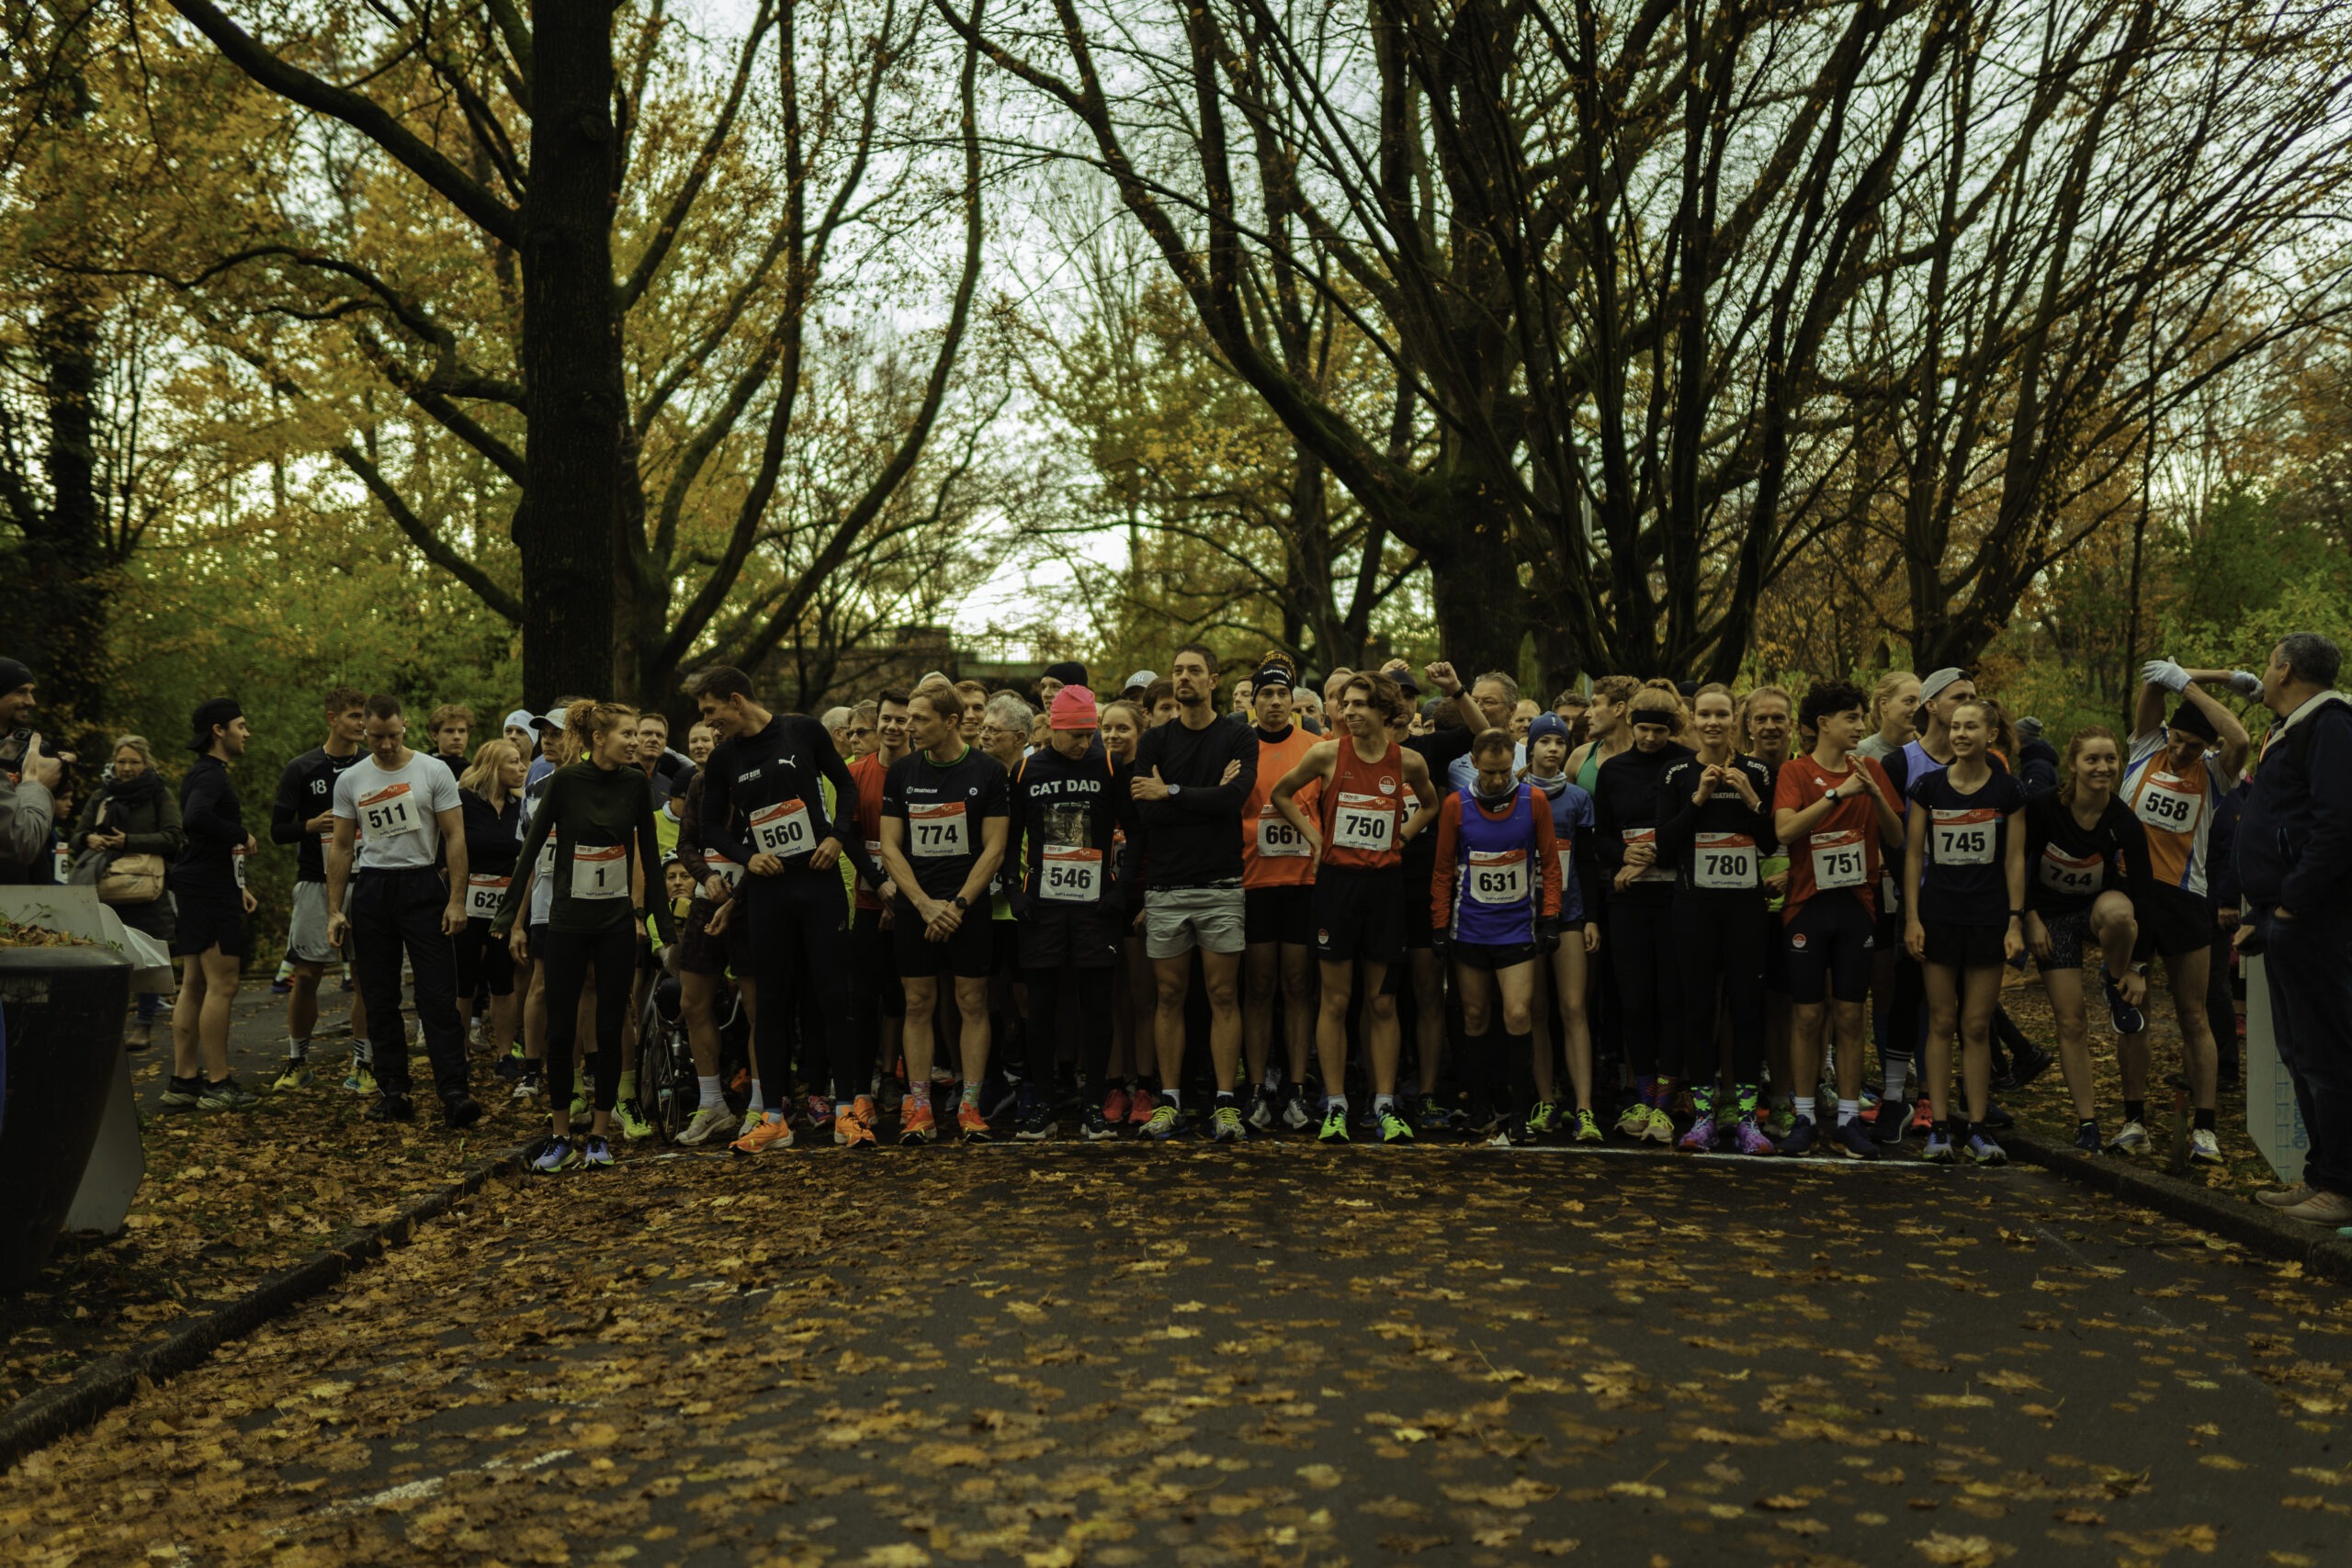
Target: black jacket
x,y
2294,838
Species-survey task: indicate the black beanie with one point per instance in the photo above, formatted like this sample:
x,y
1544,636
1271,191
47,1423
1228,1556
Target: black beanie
x,y
218,711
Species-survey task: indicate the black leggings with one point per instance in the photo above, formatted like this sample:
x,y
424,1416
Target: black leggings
x,y
1092,987
482,959
801,950
1722,936
569,957
1649,983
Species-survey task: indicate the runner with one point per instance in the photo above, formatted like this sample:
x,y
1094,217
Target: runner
x,y
877,999
715,943
1898,991
1893,700
1277,890
1066,803
2086,872
860,730
1441,746
520,734
1006,728
1495,900
598,815
943,829
1363,778
451,726
1628,805
836,723
1607,733
975,698
490,794
1835,812
765,809
701,739
1160,701
303,815
1562,978
2173,781
1192,776
401,813
1963,886
208,884
1068,673
1127,1102
1717,833
1491,704
1767,726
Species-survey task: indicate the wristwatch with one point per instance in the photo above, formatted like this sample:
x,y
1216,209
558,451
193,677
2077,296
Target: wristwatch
x,y
961,902
1174,790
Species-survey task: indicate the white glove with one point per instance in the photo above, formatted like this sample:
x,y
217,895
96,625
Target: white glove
x,y
2245,683
2165,673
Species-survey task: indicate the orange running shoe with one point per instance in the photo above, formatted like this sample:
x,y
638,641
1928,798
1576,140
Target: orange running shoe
x,y
863,1108
848,1133
971,1123
915,1125
768,1134
1140,1107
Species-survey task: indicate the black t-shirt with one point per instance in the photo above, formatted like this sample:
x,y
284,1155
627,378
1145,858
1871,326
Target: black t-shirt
x,y
1962,878
2067,866
943,807
305,790
1066,812
1194,838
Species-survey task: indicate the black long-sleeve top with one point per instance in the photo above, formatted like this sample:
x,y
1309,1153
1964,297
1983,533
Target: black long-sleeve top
x,y
494,835
747,774
214,821
589,808
1627,798
1682,819
1192,839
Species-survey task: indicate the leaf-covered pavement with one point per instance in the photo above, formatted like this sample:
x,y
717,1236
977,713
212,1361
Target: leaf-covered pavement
x,y
1125,1355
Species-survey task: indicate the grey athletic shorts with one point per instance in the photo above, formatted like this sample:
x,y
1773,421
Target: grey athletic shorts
x,y
1178,919
306,938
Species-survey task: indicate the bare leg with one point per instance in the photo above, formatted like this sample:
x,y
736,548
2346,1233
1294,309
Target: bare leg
x,y
1384,1037
1221,973
1331,1026
187,1058
1263,962
1569,964
915,1039
972,1044
1298,1007
1980,996
1943,1022
1171,978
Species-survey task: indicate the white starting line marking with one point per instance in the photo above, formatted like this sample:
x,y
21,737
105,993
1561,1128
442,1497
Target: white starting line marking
x,y
418,1489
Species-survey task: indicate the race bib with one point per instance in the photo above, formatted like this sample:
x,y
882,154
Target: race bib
x,y
1653,872
1366,822
782,829
937,832
1723,860
720,866
1277,839
1069,873
1841,860
2170,804
1498,876
601,872
1966,836
484,893
236,864
544,867
874,854
65,865
388,811
2074,876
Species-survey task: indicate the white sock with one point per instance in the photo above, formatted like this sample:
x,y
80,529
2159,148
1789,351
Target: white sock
x,y
712,1096
1805,1105
362,1052
296,1049
1891,1081
1337,1102
759,1101
1170,1098
1847,1110
1382,1103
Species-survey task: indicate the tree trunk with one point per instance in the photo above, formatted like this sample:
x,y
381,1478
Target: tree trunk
x,y
567,529
1481,616
59,582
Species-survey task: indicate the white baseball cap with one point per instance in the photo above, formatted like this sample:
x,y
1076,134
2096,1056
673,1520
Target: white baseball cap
x,y
551,719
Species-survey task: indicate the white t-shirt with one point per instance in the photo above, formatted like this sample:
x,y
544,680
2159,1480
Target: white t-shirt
x,y
397,810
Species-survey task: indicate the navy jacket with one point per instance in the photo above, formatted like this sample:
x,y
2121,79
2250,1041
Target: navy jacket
x,y
2294,841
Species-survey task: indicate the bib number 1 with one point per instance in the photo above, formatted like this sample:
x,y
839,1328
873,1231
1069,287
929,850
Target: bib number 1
x,y
601,872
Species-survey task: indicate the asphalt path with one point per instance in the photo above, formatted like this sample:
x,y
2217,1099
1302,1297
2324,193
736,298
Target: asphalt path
x,y
1132,1354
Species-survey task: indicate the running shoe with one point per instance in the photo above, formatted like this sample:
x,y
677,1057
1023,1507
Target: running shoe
x,y
2129,1139
971,1125
915,1124
1096,1128
1483,1121
530,1086
1543,1120
1854,1140
1334,1125
2127,1019
1224,1124
181,1094
631,1116
1661,1128
1393,1128
227,1095
1701,1138
848,1133
1164,1124
296,1075
1998,1117
1635,1122
1297,1115
705,1125
597,1156
1893,1116
359,1080
1800,1136
1939,1150
1115,1104
2029,1065
863,1108
1985,1151
752,1117
580,1103
514,1065
1142,1107
1588,1130
1265,1104
2086,1137
1749,1139
1037,1123
558,1155
1923,1115
1780,1122
776,1134
2203,1147
1431,1115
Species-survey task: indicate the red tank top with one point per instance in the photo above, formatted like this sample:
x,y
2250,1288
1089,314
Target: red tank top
x,y
1362,809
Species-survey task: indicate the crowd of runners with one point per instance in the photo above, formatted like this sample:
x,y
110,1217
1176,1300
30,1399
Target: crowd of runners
x,y
1384,907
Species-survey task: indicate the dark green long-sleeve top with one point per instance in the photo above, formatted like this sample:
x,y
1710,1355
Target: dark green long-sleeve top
x,y
586,807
